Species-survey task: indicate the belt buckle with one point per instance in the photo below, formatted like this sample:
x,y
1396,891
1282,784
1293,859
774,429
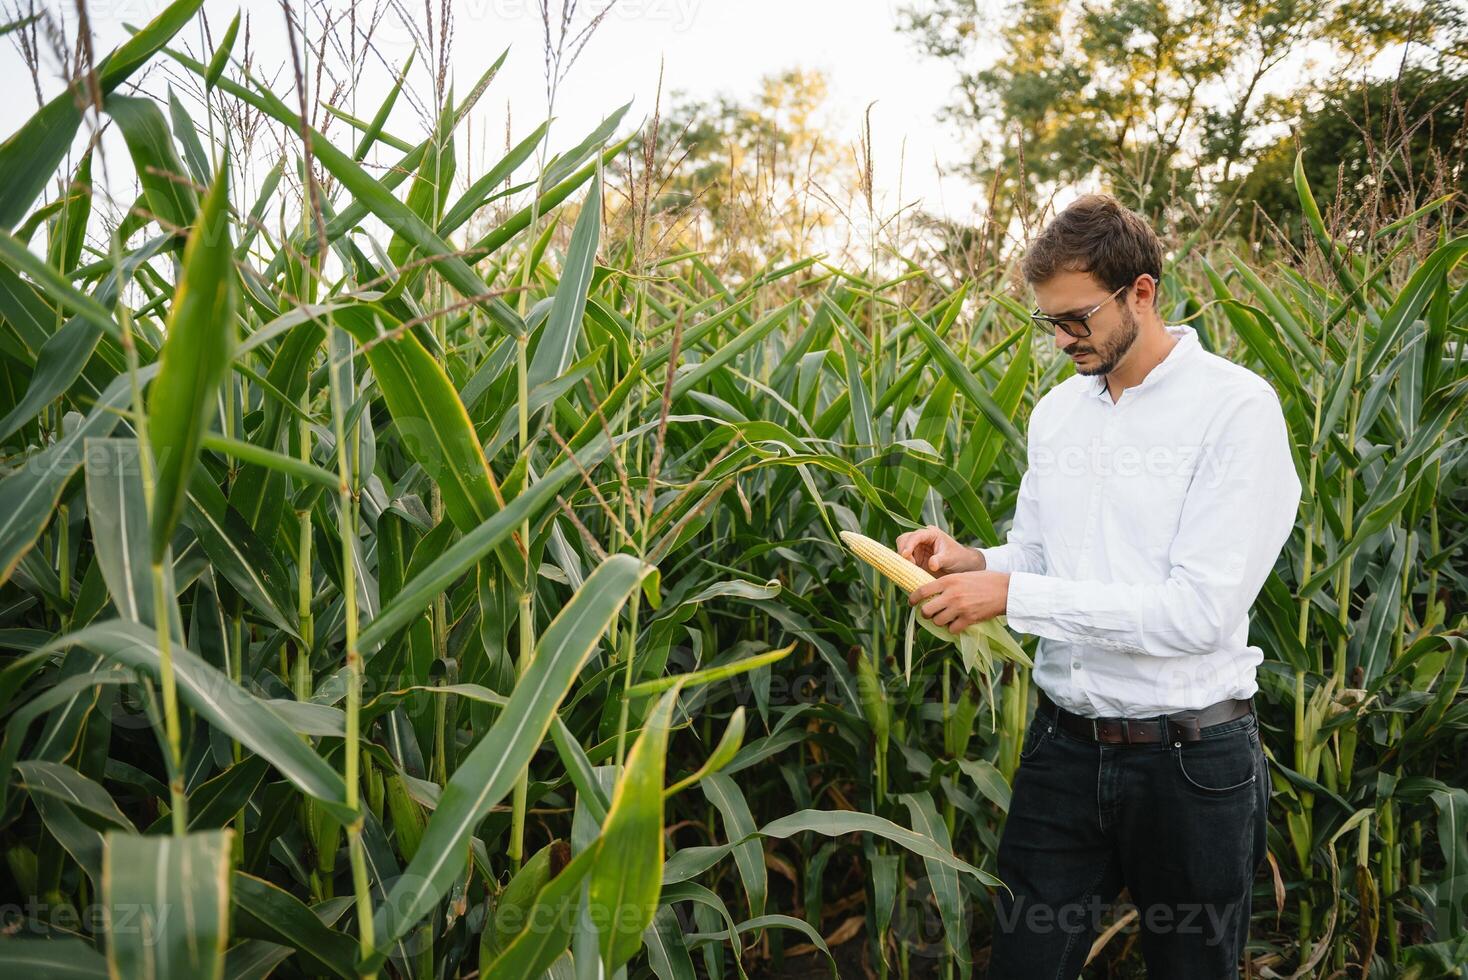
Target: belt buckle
x,y
1107,731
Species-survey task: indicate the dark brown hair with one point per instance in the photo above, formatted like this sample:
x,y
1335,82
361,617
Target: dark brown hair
x,y
1096,234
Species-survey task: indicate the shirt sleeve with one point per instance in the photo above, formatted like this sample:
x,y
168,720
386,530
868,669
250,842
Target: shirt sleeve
x,y
1021,551
1232,527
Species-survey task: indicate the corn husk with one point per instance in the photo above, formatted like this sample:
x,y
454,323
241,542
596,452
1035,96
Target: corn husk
x,y
982,646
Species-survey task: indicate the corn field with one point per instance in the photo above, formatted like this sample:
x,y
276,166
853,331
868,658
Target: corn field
x,y
408,581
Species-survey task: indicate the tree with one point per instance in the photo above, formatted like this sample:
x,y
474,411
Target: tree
x,y
1165,101
1375,149
746,180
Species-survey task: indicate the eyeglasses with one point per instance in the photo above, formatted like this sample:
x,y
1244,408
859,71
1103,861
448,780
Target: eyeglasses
x,y
1074,325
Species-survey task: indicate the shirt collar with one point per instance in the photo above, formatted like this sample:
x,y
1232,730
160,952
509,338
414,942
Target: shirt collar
x,y
1187,343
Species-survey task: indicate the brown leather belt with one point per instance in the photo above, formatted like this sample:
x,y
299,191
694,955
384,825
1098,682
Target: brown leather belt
x,y
1181,726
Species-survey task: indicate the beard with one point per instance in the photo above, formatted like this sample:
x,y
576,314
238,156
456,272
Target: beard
x,y
1110,353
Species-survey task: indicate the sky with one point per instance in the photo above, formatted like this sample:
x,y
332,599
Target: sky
x,y
704,47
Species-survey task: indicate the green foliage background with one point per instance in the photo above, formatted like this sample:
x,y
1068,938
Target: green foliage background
x,y
390,593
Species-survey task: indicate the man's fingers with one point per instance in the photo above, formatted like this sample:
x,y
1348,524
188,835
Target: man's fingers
x,y
924,591
909,541
939,557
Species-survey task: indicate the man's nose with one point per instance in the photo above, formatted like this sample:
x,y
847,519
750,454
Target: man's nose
x,y
1063,340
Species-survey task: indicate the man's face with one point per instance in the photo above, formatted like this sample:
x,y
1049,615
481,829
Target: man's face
x,y
1113,326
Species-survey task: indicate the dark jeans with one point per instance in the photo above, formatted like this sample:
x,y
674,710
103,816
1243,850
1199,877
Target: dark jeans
x,y
1181,826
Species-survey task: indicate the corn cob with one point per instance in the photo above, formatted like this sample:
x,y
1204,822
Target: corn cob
x,y
981,644
904,573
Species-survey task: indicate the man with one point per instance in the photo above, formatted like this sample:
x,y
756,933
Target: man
x,y
1159,490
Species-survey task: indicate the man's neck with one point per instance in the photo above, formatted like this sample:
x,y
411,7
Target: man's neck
x,y
1151,349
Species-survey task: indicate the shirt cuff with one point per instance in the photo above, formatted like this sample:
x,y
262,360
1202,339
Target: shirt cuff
x,y
996,559
1032,600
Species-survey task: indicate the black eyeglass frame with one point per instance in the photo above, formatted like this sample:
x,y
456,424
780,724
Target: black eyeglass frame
x,y
1051,322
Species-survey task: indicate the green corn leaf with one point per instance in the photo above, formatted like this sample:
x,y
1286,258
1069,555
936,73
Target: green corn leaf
x,y
579,770
721,756
168,191
75,789
967,383
627,876
513,907
31,155
749,854
216,802
374,129
688,380
248,452
368,192
562,164
165,902
239,555
66,355
119,519
429,191
31,492
667,952
431,420
53,284
1316,223
221,702
265,911
220,59
256,959
558,337
470,549
533,950
490,770
858,398
947,890
77,689
833,823
483,189
195,357
27,319
187,136
1411,302
1284,319
58,958
711,674
520,220
81,841
68,229
1009,395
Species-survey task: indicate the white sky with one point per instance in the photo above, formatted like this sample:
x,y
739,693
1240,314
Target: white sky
x,y
706,46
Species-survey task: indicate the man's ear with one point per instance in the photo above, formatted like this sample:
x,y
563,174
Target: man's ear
x,y
1145,290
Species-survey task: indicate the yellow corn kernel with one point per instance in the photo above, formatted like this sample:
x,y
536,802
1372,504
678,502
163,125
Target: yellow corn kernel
x,y
904,573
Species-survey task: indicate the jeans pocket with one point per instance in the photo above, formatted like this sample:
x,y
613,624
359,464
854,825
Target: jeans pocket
x,y
1219,766
1035,736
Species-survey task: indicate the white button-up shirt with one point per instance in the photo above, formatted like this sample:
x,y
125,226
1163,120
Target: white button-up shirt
x,y
1144,530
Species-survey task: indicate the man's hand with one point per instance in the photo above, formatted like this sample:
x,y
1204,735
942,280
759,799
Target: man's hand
x,y
937,552
955,602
